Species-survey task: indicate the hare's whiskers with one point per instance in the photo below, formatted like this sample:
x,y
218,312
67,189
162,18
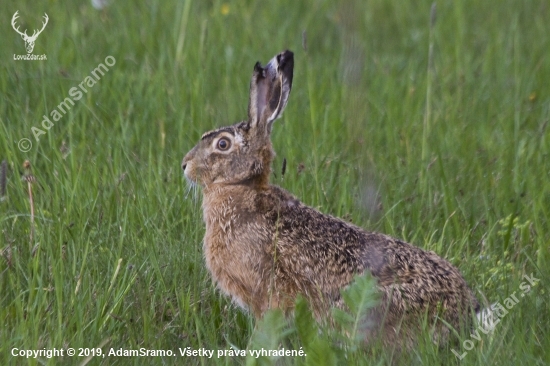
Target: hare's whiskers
x,y
193,188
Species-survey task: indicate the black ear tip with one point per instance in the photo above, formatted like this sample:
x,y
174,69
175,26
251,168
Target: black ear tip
x,y
287,54
285,59
286,64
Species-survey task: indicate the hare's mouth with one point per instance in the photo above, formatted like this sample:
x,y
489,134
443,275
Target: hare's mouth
x,y
189,172
190,178
190,181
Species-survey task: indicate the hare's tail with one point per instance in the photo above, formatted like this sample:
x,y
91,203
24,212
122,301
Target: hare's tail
x,y
487,317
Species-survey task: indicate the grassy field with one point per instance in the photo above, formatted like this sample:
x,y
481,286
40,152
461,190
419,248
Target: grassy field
x,y
430,129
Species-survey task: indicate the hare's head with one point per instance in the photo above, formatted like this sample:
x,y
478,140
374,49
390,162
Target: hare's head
x,y
242,153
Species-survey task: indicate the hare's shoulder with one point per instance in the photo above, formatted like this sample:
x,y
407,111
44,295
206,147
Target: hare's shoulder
x,y
299,221
310,237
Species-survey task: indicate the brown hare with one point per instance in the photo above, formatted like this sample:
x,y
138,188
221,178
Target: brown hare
x,y
263,246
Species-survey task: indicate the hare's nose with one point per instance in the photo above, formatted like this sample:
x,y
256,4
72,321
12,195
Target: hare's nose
x,y
183,166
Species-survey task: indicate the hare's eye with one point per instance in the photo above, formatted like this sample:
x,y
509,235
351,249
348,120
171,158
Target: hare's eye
x,y
223,144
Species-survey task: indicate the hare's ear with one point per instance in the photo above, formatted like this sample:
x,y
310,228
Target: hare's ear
x,y
269,90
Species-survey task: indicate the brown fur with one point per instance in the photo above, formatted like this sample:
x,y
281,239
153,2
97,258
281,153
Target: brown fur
x,y
263,246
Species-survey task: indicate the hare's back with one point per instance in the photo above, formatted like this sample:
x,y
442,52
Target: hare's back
x,y
328,252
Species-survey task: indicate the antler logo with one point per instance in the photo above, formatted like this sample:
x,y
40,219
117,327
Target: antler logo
x,y
29,41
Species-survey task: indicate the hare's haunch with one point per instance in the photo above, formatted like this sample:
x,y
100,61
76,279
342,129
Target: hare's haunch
x,y
263,246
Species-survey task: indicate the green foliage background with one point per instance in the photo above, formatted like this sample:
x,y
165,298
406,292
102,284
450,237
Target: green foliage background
x,y
448,151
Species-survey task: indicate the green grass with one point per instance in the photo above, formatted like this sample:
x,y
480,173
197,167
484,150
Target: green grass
x,y
116,257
